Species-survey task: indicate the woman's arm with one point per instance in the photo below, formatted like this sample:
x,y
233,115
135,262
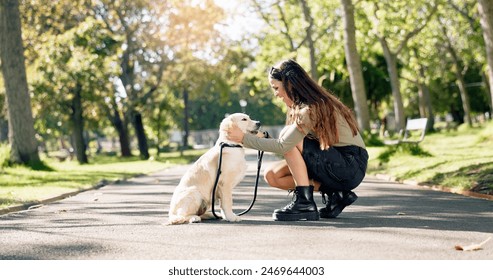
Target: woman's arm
x,y
289,138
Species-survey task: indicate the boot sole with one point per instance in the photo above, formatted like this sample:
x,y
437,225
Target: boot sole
x,y
308,216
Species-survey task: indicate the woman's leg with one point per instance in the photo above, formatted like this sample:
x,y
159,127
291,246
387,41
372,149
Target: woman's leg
x,y
288,173
279,174
303,206
297,165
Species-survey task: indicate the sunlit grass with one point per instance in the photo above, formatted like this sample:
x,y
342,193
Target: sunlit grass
x,y
460,160
22,185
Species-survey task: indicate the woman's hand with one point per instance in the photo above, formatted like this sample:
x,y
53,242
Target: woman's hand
x,y
235,134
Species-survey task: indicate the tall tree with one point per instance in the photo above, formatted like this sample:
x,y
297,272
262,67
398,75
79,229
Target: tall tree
x,y
140,24
296,31
75,72
354,67
309,38
193,36
486,11
24,148
459,71
412,22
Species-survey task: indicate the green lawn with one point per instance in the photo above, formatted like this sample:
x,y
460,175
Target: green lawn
x,y
460,160
22,185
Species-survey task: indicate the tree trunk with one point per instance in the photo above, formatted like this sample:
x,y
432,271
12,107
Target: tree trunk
x,y
488,92
113,114
122,133
185,119
4,130
122,128
159,121
309,37
354,67
24,148
460,79
141,136
425,100
127,77
391,60
78,126
464,96
485,8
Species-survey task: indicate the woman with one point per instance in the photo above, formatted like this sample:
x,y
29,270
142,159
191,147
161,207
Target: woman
x,y
322,147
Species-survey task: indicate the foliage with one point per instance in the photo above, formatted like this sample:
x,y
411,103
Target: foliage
x,y
84,56
372,139
404,149
175,45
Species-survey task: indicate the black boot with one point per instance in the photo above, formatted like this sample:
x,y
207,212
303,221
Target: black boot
x,y
302,207
336,202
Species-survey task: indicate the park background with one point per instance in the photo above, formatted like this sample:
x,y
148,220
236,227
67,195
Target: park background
x,y
99,90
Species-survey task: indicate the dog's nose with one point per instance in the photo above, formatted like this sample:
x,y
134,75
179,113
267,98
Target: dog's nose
x,y
258,124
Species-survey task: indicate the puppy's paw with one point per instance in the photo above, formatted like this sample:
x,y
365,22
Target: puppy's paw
x,y
194,219
233,218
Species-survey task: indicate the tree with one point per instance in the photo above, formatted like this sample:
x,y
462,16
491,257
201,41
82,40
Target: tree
x,y
354,67
24,148
195,40
75,78
419,71
296,31
486,11
411,23
459,71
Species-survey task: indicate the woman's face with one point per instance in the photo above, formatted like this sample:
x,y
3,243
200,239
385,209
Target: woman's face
x,y
280,92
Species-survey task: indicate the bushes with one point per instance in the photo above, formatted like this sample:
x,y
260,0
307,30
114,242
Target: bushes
x,y
403,148
372,140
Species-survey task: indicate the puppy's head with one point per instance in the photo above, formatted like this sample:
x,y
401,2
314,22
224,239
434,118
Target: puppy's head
x,y
241,120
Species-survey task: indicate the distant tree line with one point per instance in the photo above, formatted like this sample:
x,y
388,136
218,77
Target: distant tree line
x,y
133,70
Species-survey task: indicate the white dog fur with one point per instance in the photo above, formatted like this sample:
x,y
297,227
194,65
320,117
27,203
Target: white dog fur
x,y
191,201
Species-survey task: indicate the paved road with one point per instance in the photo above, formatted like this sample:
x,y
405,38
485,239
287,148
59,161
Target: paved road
x,y
125,221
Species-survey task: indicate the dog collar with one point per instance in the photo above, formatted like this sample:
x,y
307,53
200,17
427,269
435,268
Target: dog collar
x,y
222,144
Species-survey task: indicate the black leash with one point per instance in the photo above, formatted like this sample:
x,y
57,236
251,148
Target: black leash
x,y
259,164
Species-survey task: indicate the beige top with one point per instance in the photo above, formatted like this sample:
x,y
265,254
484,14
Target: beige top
x,y
293,134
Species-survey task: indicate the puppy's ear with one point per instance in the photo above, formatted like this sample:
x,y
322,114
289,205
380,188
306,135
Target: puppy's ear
x,y
225,124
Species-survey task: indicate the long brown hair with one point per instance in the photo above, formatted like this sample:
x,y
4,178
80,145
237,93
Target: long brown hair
x,y
324,106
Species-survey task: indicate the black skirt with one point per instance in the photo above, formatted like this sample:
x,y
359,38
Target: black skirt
x,y
336,168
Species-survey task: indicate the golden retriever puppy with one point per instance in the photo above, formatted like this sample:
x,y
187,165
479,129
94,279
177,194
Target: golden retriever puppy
x,y
191,201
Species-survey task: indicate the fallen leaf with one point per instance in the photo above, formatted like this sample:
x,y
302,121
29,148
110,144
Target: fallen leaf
x,y
472,247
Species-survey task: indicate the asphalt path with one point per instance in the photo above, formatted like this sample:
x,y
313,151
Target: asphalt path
x,y
126,221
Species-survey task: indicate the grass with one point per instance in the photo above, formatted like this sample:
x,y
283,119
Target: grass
x,y
461,160
23,185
